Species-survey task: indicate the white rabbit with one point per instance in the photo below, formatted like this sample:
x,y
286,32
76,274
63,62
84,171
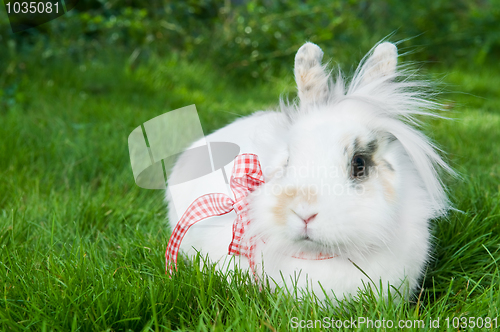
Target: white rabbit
x,y
350,184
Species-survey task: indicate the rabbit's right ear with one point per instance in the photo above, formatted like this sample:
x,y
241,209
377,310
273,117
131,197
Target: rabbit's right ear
x,y
310,75
382,63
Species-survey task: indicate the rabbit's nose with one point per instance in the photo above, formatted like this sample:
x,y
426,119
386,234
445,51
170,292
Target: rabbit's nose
x,y
310,218
306,219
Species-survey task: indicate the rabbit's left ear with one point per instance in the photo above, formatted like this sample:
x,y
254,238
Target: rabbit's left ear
x,y
310,75
381,64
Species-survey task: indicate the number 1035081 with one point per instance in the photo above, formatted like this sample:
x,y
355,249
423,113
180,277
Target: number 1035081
x,y
472,322
32,7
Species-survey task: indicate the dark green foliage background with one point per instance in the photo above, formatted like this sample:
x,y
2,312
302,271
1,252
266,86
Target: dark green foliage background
x,y
251,39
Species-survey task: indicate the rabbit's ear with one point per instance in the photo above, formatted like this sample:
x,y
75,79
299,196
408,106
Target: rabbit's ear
x,y
310,75
382,63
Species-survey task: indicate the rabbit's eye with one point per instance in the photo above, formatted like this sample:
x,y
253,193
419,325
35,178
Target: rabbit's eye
x,y
358,167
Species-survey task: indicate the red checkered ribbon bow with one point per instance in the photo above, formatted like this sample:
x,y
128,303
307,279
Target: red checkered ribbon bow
x,y
247,175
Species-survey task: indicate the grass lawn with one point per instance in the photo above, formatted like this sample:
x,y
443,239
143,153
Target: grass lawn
x,y
82,247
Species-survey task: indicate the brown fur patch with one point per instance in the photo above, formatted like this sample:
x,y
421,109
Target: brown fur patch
x,y
386,174
281,208
285,199
389,192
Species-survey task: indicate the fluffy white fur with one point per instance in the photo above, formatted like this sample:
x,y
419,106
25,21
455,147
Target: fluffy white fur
x,y
379,222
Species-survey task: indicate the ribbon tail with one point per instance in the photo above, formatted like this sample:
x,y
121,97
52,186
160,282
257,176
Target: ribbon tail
x,y
236,246
209,205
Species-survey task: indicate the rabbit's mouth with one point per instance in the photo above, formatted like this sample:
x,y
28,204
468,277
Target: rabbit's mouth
x,y
313,250
306,238
310,243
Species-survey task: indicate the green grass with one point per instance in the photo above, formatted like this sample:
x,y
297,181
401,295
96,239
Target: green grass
x,y
82,247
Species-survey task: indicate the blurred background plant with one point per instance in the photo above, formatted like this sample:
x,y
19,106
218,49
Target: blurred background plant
x,y
251,39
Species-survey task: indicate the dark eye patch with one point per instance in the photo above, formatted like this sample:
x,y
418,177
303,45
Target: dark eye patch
x,y
362,159
368,149
359,168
